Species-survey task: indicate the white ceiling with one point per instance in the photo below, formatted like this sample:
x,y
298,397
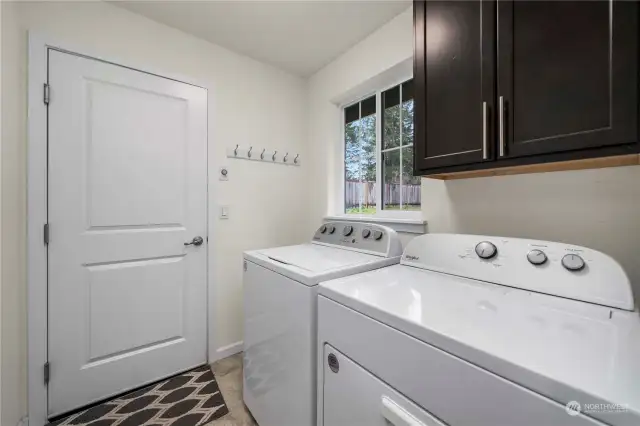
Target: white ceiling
x,y
298,36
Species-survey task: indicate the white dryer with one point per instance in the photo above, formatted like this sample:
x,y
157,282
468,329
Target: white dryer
x,y
481,331
280,314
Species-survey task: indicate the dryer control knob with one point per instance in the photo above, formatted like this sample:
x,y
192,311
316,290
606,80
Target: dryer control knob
x,y
573,262
331,229
377,235
536,257
486,250
366,233
347,230
323,229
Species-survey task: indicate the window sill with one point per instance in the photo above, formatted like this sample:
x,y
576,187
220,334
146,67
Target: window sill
x,y
405,225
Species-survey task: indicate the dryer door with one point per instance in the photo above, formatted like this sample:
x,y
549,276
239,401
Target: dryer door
x,y
353,396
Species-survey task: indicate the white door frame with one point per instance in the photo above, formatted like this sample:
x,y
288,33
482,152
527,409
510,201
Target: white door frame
x,y
37,330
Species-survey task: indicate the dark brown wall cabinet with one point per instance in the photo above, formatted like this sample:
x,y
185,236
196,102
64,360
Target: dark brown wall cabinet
x,y
511,83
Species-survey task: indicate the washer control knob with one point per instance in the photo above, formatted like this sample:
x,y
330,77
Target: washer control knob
x,y
573,262
347,230
486,250
536,257
377,235
366,233
331,229
323,229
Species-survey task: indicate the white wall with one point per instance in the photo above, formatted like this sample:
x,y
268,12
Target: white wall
x,y
249,103
12,321
595,208
373,61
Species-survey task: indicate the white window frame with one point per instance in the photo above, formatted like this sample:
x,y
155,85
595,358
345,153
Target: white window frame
x,y
381,215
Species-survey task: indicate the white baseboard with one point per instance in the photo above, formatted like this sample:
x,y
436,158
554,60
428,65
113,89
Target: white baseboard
x,y
228,350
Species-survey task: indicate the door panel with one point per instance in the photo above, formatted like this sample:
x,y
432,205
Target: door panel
x,y
567,74
131,197
455,82
127,188
138,323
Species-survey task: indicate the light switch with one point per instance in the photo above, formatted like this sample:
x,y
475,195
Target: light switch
x,y
224,212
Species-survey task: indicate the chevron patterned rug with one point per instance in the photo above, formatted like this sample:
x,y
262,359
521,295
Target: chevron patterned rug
x,y
190,399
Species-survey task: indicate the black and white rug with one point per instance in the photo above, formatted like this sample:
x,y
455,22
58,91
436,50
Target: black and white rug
x,y
190,399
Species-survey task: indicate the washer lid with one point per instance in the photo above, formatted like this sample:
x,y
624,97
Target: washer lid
x,y
317,259
552,345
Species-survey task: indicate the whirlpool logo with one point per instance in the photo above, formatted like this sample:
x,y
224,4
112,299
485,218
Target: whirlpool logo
x,y
410,257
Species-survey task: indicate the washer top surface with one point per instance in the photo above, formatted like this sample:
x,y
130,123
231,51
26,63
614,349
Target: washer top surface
x,y
337,249
563,348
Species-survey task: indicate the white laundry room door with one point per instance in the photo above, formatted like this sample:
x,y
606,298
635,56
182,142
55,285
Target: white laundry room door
x,y
127,188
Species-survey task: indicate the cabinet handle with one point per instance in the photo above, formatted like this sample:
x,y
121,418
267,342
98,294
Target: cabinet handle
x,y
501,106
484,130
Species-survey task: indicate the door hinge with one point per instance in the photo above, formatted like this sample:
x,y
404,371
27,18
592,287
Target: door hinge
x,y
46,234
47,372
46,94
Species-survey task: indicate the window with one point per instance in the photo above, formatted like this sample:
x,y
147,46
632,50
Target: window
x,y
360,157
378,131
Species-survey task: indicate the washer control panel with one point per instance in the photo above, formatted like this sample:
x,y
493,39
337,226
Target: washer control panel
x,y
366,237
557,269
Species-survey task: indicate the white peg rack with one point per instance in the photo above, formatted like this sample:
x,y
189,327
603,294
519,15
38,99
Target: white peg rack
x,y
285,158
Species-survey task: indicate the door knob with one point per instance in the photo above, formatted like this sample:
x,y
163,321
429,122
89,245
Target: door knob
x,y
197,241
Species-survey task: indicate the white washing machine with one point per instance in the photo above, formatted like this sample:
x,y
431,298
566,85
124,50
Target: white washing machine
x,y
481,331
280,314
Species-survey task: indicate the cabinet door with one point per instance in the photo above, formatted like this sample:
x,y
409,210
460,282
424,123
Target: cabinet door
x,y
454,73
567,75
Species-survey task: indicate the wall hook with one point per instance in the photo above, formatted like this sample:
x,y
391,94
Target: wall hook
x,y
295,160
262,155
249,153
273,157
285,157
235,151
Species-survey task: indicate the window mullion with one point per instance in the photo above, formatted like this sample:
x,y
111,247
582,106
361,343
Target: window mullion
x,y
379,181
395,148
401,123
360,134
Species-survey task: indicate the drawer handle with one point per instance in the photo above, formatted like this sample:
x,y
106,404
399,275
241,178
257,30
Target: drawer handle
x,y
397,415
